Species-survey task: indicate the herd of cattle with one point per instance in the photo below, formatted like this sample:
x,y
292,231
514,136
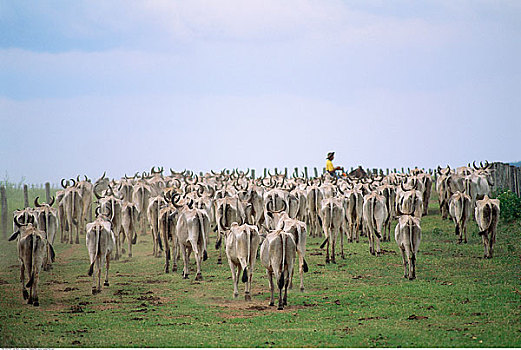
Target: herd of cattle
x,y
276,213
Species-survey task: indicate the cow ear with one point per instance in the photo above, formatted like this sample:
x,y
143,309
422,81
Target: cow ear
x,y
14,235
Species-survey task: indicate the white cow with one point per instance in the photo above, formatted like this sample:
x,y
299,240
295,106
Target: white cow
x,y
242,243
407,234
100,242
277,255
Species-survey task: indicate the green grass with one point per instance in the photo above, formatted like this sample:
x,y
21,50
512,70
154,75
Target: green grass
x,y
457,300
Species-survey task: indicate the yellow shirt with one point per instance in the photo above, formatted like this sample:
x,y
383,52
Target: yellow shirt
x,y
329,165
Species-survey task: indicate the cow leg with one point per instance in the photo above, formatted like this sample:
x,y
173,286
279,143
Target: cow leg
x,y
404,262
371,242
78,231
327,252
167,257
301,271
94,286
106,283
34,287
25,294
281,300
485,245
129,239
186,261
333,236
412,265
247,288
235,278
342,244
270,279
175,254
378,251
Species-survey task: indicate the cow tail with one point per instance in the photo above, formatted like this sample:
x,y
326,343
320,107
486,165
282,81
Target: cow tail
x,y
32,244
158,223
245,270
281,278
201,232
410,223
299,235
377,234
133,228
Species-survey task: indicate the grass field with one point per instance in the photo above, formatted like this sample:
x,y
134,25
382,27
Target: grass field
x,y
457,300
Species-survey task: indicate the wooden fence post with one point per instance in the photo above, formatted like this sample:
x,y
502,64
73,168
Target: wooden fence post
x,y
316,171
306,172
265,172
253,174
47,192
3,201
26,197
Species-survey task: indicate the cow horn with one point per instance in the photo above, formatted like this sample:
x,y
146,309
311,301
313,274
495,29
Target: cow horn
x,y
403,188
66,184
200,190
97,211
103,176
38,205
18,223
172,172
487,164
474,165
78,178
190,203
73,182
52,201
212,191
448,167
98,196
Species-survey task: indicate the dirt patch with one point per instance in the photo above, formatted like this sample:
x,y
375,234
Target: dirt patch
x,y
121,292
69,289
3,282
372,318
415,317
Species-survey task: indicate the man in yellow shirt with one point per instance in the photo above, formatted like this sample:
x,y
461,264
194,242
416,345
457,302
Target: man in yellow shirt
x,y
330,168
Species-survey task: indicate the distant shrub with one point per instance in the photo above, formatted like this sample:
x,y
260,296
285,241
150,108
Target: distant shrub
x,y
510,205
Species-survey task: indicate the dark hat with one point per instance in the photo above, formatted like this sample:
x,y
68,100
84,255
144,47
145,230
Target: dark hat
x,y
330,154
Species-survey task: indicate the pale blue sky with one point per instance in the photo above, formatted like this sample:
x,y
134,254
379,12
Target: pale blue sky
x,y
88,86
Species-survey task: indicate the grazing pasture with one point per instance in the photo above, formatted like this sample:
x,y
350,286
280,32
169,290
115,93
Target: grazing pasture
x,y
457,300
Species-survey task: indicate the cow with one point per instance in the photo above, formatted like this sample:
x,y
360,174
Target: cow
x,y
409,200
140,196
487,216
277,255
298,230
332,215
374,214
460,209
32,247
168,216
227,211
407,234
192,234
443,191
113,205
313,199
73,210
100,243
242,242
154,206
388,191
129,220
47,221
